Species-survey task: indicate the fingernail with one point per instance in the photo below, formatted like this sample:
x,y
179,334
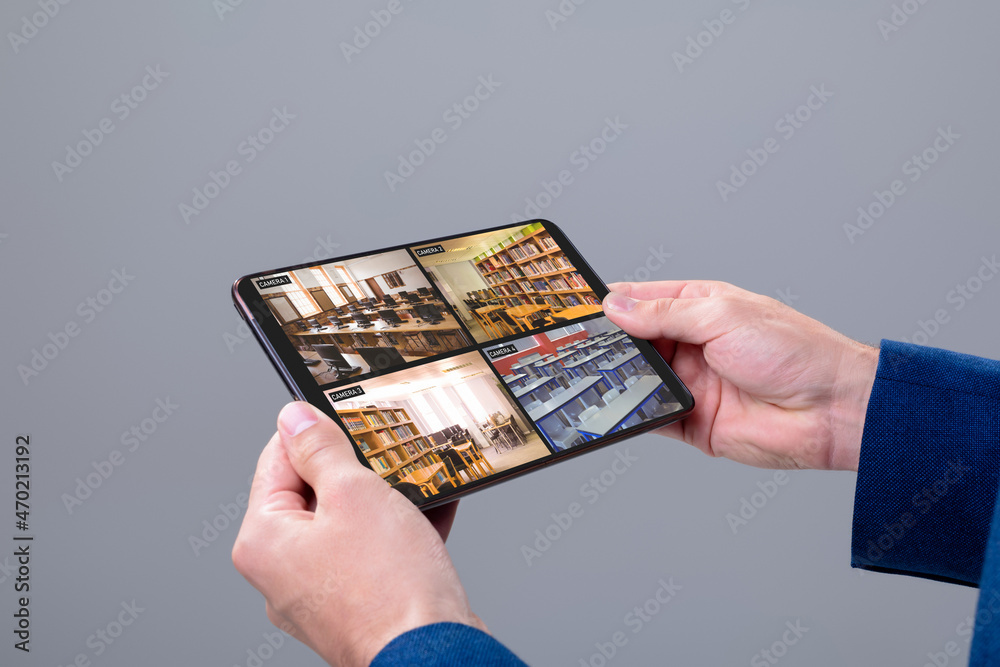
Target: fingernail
x,y
296,417
620,302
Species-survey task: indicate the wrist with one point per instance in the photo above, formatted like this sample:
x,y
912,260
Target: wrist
x,y
851,393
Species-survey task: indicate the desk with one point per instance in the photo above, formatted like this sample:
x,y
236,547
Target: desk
x,y
622,408
578,367
515,381
522,313
371,336
611,368
423,477
545,365
577,311
353,359
528,390
619,342
571,395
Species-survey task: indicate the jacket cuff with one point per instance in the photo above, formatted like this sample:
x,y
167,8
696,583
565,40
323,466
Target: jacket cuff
x,y
446,645
927,476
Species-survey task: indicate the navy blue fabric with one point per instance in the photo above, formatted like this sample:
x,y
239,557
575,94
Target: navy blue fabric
x,y
927,479
445,645
928,475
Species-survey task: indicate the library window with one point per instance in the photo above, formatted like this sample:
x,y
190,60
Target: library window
x,y
323,280
301,300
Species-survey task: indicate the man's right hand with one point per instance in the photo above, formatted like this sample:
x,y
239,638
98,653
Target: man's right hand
x,y
773,388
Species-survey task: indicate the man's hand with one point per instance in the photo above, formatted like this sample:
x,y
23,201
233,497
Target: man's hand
x,y
773,388
345,562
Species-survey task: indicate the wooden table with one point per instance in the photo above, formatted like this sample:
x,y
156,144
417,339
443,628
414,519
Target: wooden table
x,y
423,477
522,313
578,311
329,334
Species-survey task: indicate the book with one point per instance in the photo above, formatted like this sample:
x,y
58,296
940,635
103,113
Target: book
x,y
353,423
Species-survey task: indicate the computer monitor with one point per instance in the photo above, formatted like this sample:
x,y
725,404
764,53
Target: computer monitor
x,y
361,320
335,360
390,317
380,358
424,291
412,298
389,301
429,313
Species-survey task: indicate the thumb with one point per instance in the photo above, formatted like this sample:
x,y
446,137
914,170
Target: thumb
x,y
317,448
685,320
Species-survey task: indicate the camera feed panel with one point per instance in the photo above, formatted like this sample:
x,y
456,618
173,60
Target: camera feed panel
x,y
508,282
438,426
354,317
582,382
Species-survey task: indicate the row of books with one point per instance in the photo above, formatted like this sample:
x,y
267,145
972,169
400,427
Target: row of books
x,y
568,282
412,448
547,243
354,423
546,265
522,252
383,417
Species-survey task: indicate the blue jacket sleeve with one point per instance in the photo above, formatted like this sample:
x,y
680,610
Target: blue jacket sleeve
x,y
445,645
930,458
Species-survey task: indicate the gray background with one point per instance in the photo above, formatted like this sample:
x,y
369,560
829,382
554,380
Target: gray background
x,y
173,333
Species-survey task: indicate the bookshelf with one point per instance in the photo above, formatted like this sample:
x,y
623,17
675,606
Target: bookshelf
x,y
529,265
389,440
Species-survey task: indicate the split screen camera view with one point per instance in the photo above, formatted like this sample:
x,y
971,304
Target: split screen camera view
x,y
452,361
